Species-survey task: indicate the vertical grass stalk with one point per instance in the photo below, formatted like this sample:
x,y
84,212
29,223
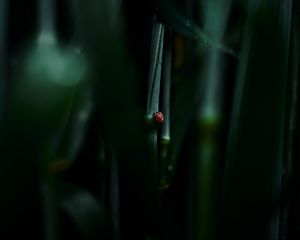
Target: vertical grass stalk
x,y
278,220
3,28
174,16
155,68
115,196
166,98
46,20
291,128
48,182
209,121
49,194
154,85
256,141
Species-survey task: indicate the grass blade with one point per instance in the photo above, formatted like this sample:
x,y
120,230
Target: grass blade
x,y
256,137
155,69
3,41
85,211
173,15
154,86
166,98
285,16
209,120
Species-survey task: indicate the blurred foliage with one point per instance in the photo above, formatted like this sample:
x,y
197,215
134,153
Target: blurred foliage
x,y
149,120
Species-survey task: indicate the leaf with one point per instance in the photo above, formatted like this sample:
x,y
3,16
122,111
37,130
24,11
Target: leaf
x,y
3,43
166,100
116,87
173,15
74,133
206,167
255,150
85,210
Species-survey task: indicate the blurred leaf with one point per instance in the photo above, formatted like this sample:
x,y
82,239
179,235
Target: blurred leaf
x,y
210,120
85,210
116,89
255,150
75,129
174,16
3,55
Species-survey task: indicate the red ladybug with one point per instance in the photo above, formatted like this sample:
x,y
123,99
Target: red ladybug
x,y
158,117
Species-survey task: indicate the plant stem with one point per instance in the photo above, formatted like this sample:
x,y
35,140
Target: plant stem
x,y
166,98
155,68
3,28
50,202
115,196
49,193
291,127
278,221
48,181
175,17
46,16
207,164
154,88
256,142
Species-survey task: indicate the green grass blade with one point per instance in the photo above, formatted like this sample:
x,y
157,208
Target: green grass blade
x,y
179,21
288,167
46,16
85,210
116,87
3,41
207,162
75,129
154,86
155,69
114,196
285,16
255,153
165,137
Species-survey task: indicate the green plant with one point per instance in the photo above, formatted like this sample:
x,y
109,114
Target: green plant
x,y
149,120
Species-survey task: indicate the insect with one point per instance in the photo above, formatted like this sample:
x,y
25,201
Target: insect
x,y
158,117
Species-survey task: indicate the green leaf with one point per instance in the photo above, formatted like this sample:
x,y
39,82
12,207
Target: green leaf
x,y
166,100
85,210
255,150
3,43
173,15
207,163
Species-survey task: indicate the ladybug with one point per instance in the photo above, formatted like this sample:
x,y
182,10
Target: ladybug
x,y
158,117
